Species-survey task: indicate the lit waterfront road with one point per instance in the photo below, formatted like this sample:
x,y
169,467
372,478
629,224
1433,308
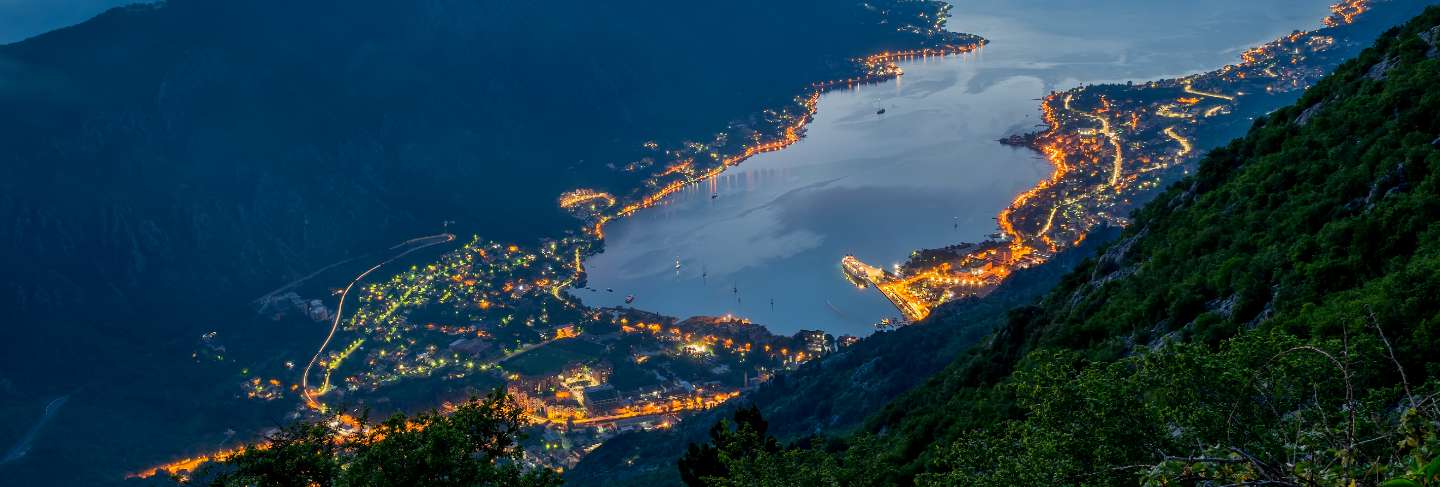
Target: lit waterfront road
x,y
1191,90
697,403
413,245
877,278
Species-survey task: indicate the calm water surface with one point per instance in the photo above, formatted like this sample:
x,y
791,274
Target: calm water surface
x,y
764,239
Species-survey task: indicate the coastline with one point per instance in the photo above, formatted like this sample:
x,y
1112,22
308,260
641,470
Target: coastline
x,y
878,67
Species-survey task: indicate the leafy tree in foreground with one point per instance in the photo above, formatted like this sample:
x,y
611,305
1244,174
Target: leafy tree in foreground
x,y
741,454
731,442
473,446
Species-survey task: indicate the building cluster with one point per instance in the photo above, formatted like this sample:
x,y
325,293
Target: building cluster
x,y
654,370
489,313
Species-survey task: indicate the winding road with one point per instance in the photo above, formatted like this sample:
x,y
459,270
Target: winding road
x,y
22,447
409,246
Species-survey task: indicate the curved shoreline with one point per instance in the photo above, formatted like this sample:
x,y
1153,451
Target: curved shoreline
x,y
883,63
881,66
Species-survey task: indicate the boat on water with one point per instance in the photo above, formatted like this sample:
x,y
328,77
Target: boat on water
x,y
851,268
888,324
854,279
629,299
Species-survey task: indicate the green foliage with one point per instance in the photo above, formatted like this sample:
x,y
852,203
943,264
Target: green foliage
x,y
472,446
299,455
1263,406
731,442
1422,468
741,454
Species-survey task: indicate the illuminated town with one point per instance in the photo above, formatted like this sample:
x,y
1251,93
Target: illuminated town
x,y
488,314
1107,146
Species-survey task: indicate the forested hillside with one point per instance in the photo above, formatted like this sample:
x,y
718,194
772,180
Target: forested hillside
x,y
1270,320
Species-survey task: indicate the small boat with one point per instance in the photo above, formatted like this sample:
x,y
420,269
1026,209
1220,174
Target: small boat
x,y
677,263
629,299
609,290
714,195
889,324
880,111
